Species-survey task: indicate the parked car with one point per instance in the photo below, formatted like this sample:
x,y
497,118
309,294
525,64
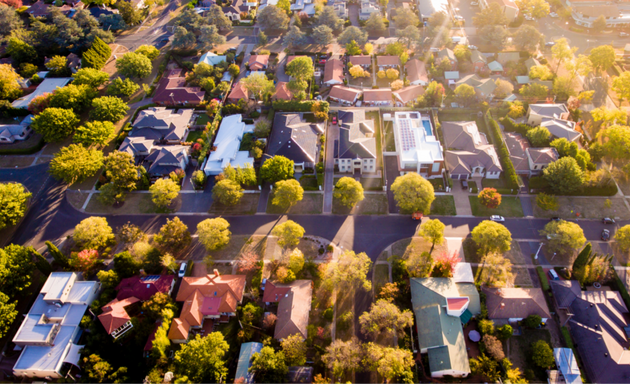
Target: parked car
x,y
472,47
556,218
608,220
550,44
334,120
458,17
553,14
497,218
623,34
464,184
605,235
553,275
474,3
182,270
527,17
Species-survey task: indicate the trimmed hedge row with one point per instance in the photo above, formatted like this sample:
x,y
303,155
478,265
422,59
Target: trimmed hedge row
x,y
511,126
618,285
543,278
504,156
299,106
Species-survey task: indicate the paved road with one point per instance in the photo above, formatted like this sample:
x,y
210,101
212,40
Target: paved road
x,y
152,35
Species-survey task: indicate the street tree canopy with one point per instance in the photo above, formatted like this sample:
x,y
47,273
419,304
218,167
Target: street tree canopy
x,y
491,15
14,198
404,18
288,233
534,8
90,76
352,33
277,168
432,230
602,57
214,233
528,38
348,191
15,269
76,163
496,271
490,236
621,86
174,236
329,18
163,192
563,237
300,68
616,141
287,192
133,64
343,356
323,35
272,17
93,233
55,124
227,192
390,363
413,193
269,365
120,169
202,359
349,272
108,108
564,175
622,237
98,133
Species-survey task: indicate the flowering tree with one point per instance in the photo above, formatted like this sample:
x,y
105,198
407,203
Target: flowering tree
x,y
489,197
248,262
445,264
85,260
39,103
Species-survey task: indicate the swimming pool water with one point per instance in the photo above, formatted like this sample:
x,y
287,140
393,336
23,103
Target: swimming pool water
x,y
427,127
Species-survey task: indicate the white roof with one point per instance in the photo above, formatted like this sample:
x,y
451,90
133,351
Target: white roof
x,y
567,365
429,7
451,75
211,58
46,86
414,143
495,66
463,273
228,142
46,359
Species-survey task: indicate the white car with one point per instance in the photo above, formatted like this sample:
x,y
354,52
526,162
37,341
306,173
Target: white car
x,y
472,47
182,270
623,34
458,17
553,14
474,3
497,218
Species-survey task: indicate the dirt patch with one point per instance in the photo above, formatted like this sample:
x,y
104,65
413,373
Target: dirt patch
x,y
522,277
372,204
588,208
246,206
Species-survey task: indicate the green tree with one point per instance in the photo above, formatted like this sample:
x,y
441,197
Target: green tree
x,y
54,124
7,314
533,92
108,108
125,87
276,169
348,191
120,169
465,94
289,233
99,370
98,133
16,266
91,77
287,192
214,233
126,265
75,163
155,306
57,255
534,8
374,24
269,366
616,140
504,332
295,37
599,24
343,356
527,38
565,147
602,57
13,199
564,175
163,191
9,86
300,68
149,51
227,192
385,317
294,349
621,86
390,363
609,116
93,233
9,20
409,35
486,367
350,271
562,52
547,202
174,236
183,38
352,34
541,72
20,51
234,70
262,38
109,279
539,136
322,35
495,35
496,271
563,237
564,87
413,193
404,18
133,64
99,52
329,18
432,230
215,16
258,85
542,355
202,359
622,237
272,17
491,237
503,89
74,97
491,15
285,5
209,37
489,198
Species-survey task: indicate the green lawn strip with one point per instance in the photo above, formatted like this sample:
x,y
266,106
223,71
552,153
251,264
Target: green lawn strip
x,y
203,119
135,203
311,204
194,135
246,206
510,207
444,206
240,244
543,278
372,204
390,142
372,183
309,183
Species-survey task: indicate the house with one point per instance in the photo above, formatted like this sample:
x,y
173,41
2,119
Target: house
x,y
39,9
531,62
598,322
238,93
561,129
144,287
417,72
236,7
172,90
282,92
506,57
377,97
162,161
540,158
356,148
522,80
408,95
367,9
340,9
451,76
426,9
46,86
258,62
527,160
10,133
300,375
509,7
365,61
567,365
333,72
468,153
545,83
294,306
616,15
213,296
264,3
49,334
386,62
137,146
555,117
495,67
162,125
102,10
478,60
344,95
74,62
447,54
483,87
245,357
512,305
295,138
115,318
227,143
212,58
417,147
440,306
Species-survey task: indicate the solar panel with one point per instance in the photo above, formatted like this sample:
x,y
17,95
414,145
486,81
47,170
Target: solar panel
x,y
151,278
406,135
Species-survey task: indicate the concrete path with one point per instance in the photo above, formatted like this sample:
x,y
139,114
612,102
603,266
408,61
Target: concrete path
x,y
526,203
264,197
332,134
462,203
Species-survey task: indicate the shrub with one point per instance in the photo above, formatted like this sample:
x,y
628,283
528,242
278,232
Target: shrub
x,y
510,173
543,278
493,347
486,327
504,332
532,321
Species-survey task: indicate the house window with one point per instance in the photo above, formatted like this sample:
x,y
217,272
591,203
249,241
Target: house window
x,y
371,161
535,167
371,167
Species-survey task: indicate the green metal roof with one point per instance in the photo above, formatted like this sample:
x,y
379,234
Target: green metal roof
x,y
465,317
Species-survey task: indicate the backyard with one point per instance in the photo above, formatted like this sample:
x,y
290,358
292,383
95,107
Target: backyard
x,y
194,135
519,350
377,135
390,142
510,207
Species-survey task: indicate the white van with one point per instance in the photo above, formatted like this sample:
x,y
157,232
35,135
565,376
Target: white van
x,y
182,270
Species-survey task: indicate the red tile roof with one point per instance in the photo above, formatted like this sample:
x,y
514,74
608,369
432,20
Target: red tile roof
x,y
416,71
361,60
258,62
114,315
282,92
172,90
274,293
144,287
291,58
410,93
387,60
344,93
237,93
456,303
371,95
333,70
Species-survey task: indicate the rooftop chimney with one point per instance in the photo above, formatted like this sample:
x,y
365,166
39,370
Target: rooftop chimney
x,y
216,272
502,305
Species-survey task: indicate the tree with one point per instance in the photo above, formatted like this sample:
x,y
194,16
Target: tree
x,y
616,140
74,97
486,327
491,15
93,233
272,17
14,197
565,147
465,94
75,163
149,51
20,51
322,34
97,55
496,271
413,193
99,370
289,233
258,85
108,108
287,193
214,233
493,346
547,202
109,279
285,5
58,65
163,191
433,231
599,269
609,116
445,264
262,39
527,38
300,68
227,192
563,237
534,8
276,169
404,18
294,350
234,70
9,20
491,237
269,366
539,136
352,33
7,314
490,198
621,86
622,237
348,191
564,175
98,133
389,292
419,264
342,356
9,83
374,24
91,77
329,18
352,48
183,38
495,35
133,64
358,71
486,367
125,87
216,16
173,236
542,355
564,87
599,24
391,363
385,317
503,89
120,169
541,72
409,35
504,332
349,271
55,124
84,261
392,74
202,358
57,256
602,57
295,37
562,52
533,92
16,266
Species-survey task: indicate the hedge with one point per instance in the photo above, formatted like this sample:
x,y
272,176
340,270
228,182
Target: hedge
x,y
299,106
539,183
97,55
511,126
567,336
543,278
504,156
618,285
507,191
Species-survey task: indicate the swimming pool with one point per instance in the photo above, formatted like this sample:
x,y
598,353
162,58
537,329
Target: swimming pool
x,y
427,127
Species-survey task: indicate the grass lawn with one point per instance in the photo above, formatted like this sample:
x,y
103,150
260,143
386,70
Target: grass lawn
x,y
438,184
510,207
246,206
240,244
520,350
377,134
372,204
380,278
390,142
194,135
443,205
312,203
345,315
493,183
134,203
309,183
372,183
202,119
587,208
471,255
415,245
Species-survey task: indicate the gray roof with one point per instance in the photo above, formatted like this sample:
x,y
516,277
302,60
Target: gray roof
x,y
486,86
136,145
517,147
549,110
355,136
505,57
476,56
505,303
543,155
567,365
531,62
159,123
565,291
165,160
294,138
467,148
561,128
448,53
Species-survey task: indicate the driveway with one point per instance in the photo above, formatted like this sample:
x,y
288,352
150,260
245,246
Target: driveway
x,y
332,135
353,14
462,202
526,203
391,172
282,63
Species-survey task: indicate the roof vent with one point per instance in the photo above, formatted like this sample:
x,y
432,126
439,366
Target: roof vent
x,y
502,305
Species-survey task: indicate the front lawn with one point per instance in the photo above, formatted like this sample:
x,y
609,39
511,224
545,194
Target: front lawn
x,y
309,183
311,204
510,207
588,208
444,206
241,244
372,204
372,183
246,206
